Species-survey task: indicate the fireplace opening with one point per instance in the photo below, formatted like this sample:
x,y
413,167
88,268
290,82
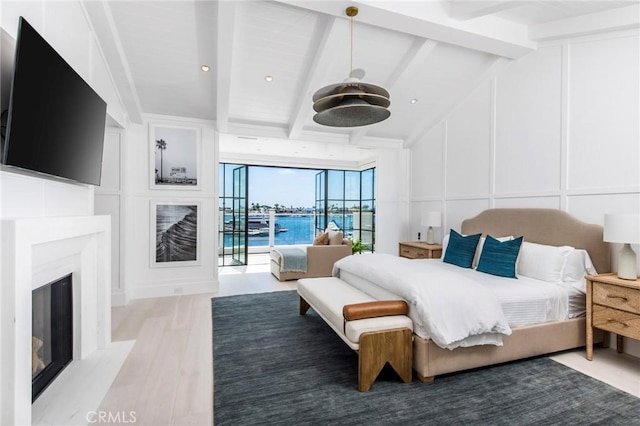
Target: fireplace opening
x,y
52,333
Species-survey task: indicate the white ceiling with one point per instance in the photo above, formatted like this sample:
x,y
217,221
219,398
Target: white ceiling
x,y
433,51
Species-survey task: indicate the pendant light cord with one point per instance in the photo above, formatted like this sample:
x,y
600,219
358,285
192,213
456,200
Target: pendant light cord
x,y
351,53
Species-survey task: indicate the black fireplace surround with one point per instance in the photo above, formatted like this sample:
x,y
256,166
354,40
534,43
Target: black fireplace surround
x,y
52,337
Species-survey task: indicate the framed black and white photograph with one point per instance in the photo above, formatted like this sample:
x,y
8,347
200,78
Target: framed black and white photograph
x,y
175,233
175,157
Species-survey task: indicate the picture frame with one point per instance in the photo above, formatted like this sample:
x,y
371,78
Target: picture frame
x,y
175,233
174,154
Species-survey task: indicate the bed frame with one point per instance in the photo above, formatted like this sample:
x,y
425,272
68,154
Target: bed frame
x,y
543,226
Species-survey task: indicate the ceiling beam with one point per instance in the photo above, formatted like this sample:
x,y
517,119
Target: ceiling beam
x,y
420,49
431,20
622,18
104,26
326,40
224,59
464,10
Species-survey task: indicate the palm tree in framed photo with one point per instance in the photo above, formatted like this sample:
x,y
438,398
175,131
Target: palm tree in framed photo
x,y
161,144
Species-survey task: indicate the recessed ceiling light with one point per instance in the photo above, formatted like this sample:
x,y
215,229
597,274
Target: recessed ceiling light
x,y
268,78
413,101
205,68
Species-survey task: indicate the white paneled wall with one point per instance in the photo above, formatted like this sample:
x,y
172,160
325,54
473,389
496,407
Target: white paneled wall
x,y
143,279
468,147
528,125
427,165
392,197
109,200
603,114
558,128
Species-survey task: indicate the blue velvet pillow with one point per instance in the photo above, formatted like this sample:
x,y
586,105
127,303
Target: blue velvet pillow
x,y
461,250
499,258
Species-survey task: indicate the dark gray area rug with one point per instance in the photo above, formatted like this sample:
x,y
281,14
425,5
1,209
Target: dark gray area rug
x,y
273,366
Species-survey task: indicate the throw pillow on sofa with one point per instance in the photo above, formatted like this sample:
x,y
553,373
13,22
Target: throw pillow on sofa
x,y
321,239
335,238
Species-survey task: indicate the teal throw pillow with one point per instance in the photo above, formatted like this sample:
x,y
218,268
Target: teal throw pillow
x,y
461,249
499,258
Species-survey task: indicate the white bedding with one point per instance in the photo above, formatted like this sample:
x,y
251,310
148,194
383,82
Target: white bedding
x,y
522,301
476,316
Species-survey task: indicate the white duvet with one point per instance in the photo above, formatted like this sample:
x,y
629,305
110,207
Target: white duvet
x,y
454,310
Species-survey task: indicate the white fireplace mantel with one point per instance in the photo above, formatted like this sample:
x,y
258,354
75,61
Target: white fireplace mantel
x,y
35,251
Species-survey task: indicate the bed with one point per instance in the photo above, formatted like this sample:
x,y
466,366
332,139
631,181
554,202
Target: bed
x,y
561,328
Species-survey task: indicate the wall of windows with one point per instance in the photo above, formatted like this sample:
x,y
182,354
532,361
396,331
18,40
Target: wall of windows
x,y
226,205
338,199
348,199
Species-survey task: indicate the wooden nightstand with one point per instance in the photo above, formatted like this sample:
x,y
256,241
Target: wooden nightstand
x,y
613,305
419,250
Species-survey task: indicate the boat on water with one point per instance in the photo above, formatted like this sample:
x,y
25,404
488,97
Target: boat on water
x,y
258,226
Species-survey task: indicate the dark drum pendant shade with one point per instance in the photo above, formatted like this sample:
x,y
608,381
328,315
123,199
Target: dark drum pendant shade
x,y
353,102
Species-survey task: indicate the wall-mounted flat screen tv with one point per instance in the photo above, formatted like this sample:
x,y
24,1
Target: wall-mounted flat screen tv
x,y
56,121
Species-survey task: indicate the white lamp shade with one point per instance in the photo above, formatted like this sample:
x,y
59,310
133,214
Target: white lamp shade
x,y
622,228
431,219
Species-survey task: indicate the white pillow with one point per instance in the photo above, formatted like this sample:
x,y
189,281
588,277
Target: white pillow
x,y
476,257
445,243
542,262
577,265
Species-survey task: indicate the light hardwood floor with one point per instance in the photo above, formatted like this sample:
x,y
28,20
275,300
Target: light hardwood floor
x,y
167,378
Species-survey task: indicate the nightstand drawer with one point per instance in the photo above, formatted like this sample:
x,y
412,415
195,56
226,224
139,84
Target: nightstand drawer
x,y
626,299
413,252
619,322
420,250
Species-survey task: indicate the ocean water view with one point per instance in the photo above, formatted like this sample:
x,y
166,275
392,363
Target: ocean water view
x,y
298,229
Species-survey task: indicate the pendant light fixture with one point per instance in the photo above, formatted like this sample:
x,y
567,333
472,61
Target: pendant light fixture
x,y
353,102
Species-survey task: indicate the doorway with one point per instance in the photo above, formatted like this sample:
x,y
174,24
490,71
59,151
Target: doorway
x,y
301,202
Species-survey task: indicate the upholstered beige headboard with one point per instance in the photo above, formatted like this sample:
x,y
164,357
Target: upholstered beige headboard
x,y
543,226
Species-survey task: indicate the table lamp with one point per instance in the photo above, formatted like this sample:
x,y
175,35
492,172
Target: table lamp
x,y
430,220
625,229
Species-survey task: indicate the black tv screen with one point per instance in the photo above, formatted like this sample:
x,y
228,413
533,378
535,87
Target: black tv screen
x,y
56,121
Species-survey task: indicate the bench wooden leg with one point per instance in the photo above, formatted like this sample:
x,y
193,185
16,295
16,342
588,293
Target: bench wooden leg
x,y
381,347
303,306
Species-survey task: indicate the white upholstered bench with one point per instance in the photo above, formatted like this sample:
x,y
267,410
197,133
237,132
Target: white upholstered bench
x,y
378,339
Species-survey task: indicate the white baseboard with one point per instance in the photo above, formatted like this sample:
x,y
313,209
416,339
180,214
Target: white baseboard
x,y
173,288
119,298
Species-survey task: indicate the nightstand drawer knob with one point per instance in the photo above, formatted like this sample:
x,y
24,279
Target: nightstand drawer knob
x,y
624,299
618,321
